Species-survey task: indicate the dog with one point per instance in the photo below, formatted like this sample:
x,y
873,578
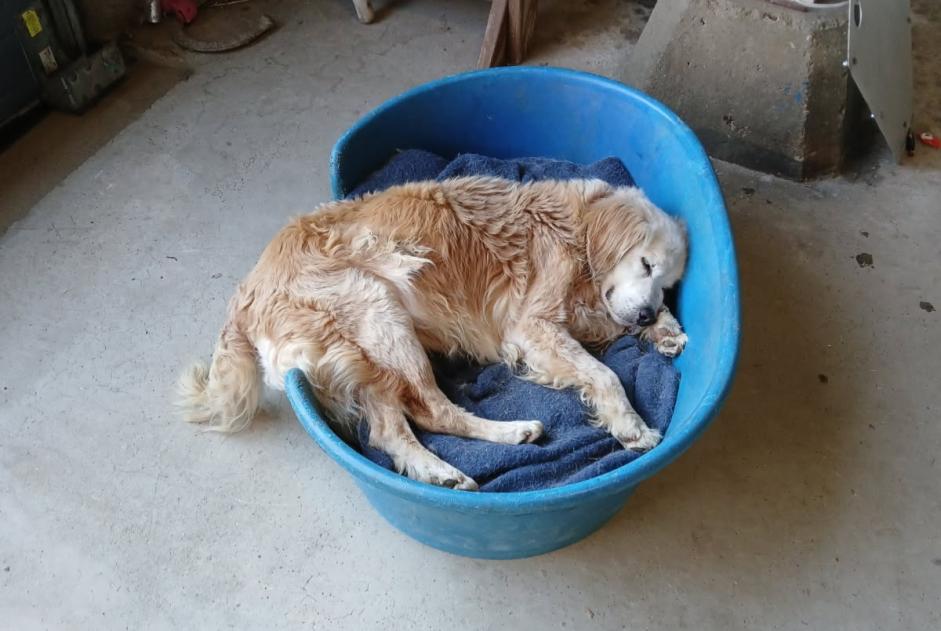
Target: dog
x,y
357,293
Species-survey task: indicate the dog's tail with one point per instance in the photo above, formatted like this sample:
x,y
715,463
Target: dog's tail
x,y
225,395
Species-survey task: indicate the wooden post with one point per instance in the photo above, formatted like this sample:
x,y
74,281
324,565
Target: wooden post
x,y
493,49
522,19
509,28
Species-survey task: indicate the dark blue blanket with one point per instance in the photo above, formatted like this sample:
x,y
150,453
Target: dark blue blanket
x,y
415,165
570,450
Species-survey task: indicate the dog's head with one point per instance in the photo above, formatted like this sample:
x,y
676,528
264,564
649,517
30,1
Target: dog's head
x,y
635,251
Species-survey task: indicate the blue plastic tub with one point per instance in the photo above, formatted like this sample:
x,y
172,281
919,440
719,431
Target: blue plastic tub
x,y
517,112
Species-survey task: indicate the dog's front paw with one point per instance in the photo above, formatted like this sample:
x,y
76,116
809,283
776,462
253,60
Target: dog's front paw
x,y
639,438
669,343
667,336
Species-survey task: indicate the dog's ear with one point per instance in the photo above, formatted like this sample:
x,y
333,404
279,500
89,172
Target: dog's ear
x,y
681,223
612,228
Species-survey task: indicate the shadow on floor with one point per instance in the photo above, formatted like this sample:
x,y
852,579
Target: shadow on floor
x,y
560,24
48,145
770,479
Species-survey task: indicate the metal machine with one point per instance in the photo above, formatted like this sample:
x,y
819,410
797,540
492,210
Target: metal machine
x,y
44,57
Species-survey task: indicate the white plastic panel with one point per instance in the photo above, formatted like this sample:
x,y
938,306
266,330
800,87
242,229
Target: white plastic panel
x,y
880,62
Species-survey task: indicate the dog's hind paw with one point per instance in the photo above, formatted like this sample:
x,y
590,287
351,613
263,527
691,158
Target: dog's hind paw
x,y
517,432
463,483
440,473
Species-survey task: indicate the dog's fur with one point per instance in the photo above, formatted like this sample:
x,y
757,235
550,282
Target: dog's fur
x,y
356,293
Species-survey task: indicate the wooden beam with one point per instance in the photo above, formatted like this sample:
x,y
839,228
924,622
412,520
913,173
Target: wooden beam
x,y
522,20
493,49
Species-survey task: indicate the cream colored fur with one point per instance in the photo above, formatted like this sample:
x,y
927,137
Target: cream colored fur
x,y
358,292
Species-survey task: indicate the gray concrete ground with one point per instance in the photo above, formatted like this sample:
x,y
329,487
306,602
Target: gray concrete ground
x,y
812,502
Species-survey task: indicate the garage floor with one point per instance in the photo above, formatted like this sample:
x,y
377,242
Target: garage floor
x,y
812,502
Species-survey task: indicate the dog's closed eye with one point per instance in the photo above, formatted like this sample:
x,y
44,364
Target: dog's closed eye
x,y
608,293
648,268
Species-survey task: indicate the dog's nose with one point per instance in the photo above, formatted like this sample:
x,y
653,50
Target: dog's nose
x,y
645,316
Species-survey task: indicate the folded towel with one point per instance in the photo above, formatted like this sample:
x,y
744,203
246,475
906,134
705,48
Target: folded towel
x,y
571,449
415,165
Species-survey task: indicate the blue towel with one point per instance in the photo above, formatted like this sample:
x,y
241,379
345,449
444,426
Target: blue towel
x,y
571,449
415,165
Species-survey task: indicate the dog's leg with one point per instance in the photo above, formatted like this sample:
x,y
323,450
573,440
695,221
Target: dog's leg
x,y
554,358
389,431
387,337
351,384
438,414
666,334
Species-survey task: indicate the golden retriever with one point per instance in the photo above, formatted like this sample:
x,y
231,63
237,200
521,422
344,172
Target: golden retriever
x,y
357,293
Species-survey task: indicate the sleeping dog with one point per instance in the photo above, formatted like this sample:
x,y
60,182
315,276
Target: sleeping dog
x,y
357,293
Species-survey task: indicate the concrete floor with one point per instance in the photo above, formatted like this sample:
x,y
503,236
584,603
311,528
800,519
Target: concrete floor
x,y
812,502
